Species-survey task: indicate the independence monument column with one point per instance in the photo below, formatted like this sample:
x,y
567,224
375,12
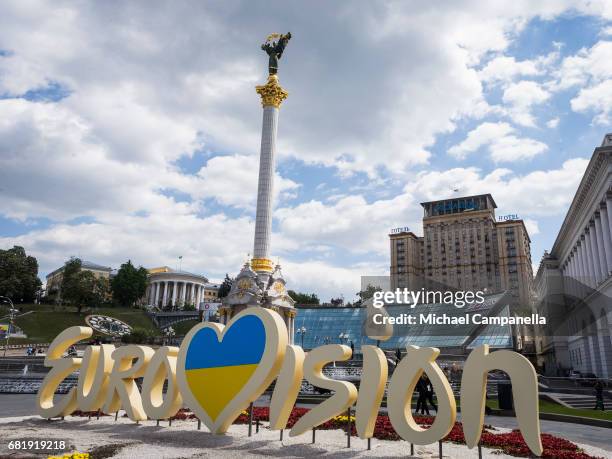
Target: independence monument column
x,y
260,283
272,95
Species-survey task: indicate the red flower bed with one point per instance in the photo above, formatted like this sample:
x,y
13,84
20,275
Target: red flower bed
x,y
183,414
259,414
87,414
511,443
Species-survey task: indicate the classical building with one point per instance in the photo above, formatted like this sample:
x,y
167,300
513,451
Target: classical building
x,y
574,283
170,289
464,247
54,279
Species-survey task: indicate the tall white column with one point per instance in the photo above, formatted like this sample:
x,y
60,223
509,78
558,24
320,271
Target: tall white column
x,y
595,252
574,273
263,219
272,95
609,208
579,263
583,264
156,284
174,285
603,263
588,260
567,276
165,300
183,294
606,233
200,290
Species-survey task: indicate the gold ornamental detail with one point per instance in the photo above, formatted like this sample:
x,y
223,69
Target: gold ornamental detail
x,y
262,264
272,94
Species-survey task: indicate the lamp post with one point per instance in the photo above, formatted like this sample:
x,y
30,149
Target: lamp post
x,y
302,331
6,299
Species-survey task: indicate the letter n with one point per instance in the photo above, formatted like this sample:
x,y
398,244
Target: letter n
x,y
524,390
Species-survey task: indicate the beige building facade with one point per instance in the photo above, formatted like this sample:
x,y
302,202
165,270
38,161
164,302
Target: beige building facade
x,y
54,279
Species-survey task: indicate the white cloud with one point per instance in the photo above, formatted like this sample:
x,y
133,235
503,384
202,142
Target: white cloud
x,y
506,68
598,99
591,70
371,94
587,66
151,240
553,123
483,135
232,180
537,193
532,227
349,223
410,65
521,97
499,140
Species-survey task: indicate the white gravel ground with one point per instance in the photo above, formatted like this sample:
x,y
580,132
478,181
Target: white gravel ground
x,y
183,440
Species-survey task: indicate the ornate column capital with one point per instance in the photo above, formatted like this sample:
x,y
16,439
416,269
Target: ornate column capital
x,y
272,94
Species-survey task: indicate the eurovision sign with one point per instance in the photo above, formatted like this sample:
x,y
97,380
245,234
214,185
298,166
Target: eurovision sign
x,y
219,370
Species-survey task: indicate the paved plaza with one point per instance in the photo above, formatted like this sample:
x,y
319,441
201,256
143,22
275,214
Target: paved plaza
x,y
183,439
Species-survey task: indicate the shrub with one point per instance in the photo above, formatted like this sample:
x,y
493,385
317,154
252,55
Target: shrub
x,y
138,336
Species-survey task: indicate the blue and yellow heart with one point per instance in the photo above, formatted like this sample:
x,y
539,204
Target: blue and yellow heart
x,y
215,370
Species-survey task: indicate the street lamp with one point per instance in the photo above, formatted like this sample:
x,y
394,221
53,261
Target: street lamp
x,y
12,311
302,331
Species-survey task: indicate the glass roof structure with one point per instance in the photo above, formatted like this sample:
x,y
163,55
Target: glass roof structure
x,y
339,325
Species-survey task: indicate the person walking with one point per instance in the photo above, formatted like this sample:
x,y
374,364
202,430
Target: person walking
x,y
430,393
599,401
421,388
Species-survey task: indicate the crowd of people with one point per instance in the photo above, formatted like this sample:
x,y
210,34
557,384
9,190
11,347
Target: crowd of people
x,y
32,350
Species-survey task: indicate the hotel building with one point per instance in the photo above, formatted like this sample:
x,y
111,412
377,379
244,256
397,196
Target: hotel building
x,y
464,247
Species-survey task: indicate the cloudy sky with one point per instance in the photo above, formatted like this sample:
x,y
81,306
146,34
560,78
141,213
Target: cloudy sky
x,y
132,129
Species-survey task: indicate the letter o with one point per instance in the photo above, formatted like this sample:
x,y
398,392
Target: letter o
x,y
162,367
399,398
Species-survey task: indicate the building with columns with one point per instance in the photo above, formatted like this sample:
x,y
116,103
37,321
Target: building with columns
x,y
574,282
170,289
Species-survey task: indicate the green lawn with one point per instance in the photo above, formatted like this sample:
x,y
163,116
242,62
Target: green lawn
x,y
182,328
550,407
46,322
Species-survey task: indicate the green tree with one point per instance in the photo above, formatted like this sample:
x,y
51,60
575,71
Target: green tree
x,y
304,298
130,284
82,288
368,292
225,286
18,275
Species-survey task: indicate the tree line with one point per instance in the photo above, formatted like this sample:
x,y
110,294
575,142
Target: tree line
x,y
79,287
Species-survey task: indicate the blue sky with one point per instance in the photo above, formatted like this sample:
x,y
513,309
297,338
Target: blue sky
x,y
132,130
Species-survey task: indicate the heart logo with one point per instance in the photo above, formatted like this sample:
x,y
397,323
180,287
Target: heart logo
x,y
221,369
